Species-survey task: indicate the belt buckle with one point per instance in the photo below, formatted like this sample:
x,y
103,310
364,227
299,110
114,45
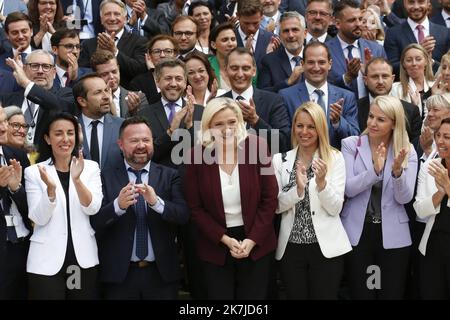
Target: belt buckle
x,y
376,220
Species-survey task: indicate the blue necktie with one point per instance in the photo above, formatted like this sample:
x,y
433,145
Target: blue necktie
x,y
171,106
296,60
141,220
320,101
350,55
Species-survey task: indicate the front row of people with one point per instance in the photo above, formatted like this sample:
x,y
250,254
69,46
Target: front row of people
x,y
336,209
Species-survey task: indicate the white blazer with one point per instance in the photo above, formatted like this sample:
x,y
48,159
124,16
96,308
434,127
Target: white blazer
x,y
49,241
397,91
325,206
423,205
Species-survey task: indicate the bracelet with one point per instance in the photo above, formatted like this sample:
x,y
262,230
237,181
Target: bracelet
x,y
17,190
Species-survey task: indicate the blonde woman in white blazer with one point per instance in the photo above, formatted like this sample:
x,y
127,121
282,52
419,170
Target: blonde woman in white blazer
x,y
432,202
63,244
312,239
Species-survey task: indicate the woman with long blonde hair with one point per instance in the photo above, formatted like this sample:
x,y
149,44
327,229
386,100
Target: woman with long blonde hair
x,y
311,182
416,77
381,168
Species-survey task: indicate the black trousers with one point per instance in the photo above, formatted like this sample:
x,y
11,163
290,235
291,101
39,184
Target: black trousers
x,y
238,279
307,274
369,257
62,285
13,274
142,284
435,269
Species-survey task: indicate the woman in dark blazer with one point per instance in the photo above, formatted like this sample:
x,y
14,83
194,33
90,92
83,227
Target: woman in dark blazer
x,y
232,192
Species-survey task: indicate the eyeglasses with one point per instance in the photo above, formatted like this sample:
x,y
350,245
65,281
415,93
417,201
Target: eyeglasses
x,y
320,13
167,52
16,126
35,66
179,34
70,46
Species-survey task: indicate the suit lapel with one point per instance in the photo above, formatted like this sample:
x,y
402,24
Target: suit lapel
x,y
408,33
303,92
160,114
364,150
107,134
284,61
87,152
337,52
388,166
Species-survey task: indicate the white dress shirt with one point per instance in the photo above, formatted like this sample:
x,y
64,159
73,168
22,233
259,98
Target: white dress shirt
x,y
231,195
321,39
179,105
413,25
315,97
88,129
244,38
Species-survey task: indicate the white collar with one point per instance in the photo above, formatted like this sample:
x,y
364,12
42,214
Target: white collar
x,y
311,88
344,44
243,35
27,51
425,23
445,15
290,55
179,102
87,121
322,38
116,93
147,166
275,17
60,71
247,94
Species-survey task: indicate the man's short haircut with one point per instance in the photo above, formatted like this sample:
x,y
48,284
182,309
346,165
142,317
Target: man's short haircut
x,y
63,33
246,8
15,17
133,120
341,5
79,89
101,56
379,60
169,63
240,51
315,44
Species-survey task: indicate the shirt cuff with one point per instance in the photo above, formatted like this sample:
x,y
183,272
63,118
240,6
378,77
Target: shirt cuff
x,y
117,209
158,206
28,89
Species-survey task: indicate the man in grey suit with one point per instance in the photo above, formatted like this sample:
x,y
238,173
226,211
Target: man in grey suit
x,y
126,103
100,129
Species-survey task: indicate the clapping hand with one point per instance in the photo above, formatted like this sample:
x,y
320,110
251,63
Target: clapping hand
x,y
336,111
77,166
300,178
16,174
398,160
440,175
319,168
379,158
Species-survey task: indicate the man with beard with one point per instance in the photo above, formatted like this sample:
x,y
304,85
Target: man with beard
x,y
417,29
318,16
349,51
171,112
38,98
271,16
125,102
142,205
378,79
442,17
286,58
66,48
100,129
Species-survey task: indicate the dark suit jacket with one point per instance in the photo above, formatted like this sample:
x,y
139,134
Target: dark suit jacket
x,y
226,7
272,114
49,101
413,119
146,83
3,57
400,36
437,18
264,38
274,71
163,143
293,5
81,72
19,198
115,234
131,56
95,12
297,94
339,65
155,24
8,82
259,198
110,152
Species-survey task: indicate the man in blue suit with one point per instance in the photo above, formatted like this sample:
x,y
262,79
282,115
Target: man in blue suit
x,y
417,29
249,34
281,68
136,226
66,48
339,104
349,51
18,29
442,16
263,111
8,7
294,5
93,98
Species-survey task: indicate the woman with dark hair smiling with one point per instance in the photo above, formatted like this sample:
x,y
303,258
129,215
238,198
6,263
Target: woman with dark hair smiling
x,y
202,12
60,204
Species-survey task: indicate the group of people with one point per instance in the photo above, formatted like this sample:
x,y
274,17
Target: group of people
x,y
254,137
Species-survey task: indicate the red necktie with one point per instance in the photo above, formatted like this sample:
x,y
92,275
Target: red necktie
x,y
420,34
